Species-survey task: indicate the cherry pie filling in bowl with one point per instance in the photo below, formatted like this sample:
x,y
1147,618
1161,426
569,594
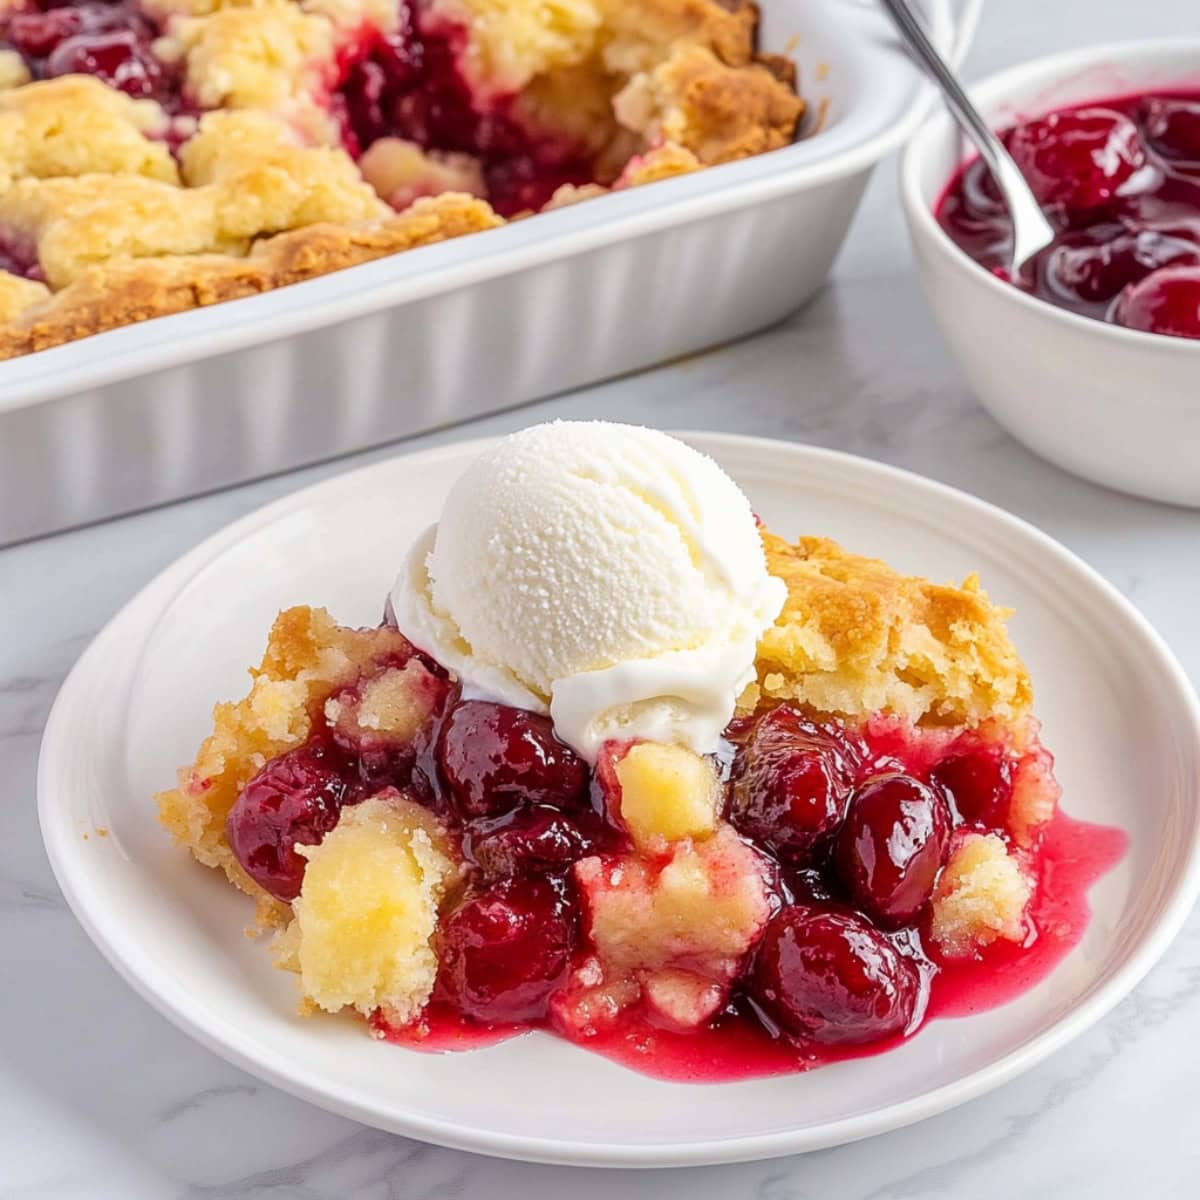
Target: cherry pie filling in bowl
x,y
1119,180
878,842
158,155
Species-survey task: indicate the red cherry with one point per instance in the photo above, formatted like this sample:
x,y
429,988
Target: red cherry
x,y
892,846
18,256
529,841
400,55
495,758
522,184
36,34
792,780
980,782
436,107
505,951
972,212
410,86
1077,160
295,799
1166,302
121,59
1173,127
364,92
829,977
1096,273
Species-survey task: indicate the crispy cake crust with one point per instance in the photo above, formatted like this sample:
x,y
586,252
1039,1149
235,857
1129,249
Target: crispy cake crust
x,y
263,195
108,296
856,637
308,657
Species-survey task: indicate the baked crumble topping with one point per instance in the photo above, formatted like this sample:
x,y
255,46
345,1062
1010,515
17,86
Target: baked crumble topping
x,y
154,154
308,657
857,637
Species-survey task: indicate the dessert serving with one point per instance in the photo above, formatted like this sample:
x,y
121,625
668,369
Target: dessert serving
x,y
1120,181
159,155
621,764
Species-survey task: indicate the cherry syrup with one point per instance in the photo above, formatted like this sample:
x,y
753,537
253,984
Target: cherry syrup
x,y
743,1040
1073,856
846,826
1119,180
409,85
112,41
736,1045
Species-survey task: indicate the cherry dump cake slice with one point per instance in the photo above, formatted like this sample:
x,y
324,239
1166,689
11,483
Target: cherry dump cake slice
x,y
873,838
159,155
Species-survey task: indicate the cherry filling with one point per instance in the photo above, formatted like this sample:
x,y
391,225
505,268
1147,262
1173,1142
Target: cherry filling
x,y
841,835
408,85
18,256
532,841
350,755
507,948
792,781
980,782
1166,302
295,799
405,84
494,758
891,847
110,41
1120,182
831,977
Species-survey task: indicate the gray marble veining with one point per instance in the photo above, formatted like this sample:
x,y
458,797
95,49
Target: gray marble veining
x,y
100,1097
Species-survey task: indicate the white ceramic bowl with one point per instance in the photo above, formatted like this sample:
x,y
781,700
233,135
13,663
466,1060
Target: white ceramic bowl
x,y
1119,407
138,703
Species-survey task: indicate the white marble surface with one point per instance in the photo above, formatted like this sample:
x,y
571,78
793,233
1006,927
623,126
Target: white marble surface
x,y
100,1097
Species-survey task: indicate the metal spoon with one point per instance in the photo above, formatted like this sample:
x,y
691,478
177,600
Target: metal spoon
x,y
1031,231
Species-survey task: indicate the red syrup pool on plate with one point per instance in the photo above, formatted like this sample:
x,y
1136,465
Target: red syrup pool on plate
x,y
805,927
1073,856
442,1030
1119,179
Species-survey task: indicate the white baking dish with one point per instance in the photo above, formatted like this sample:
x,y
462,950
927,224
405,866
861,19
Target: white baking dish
x,y
203,399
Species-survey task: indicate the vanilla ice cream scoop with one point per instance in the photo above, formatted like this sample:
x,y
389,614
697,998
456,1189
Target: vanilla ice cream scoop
x,y
607,574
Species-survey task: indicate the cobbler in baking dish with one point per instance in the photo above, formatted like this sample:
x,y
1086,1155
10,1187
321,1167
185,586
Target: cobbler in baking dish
x,y
158,155
874,837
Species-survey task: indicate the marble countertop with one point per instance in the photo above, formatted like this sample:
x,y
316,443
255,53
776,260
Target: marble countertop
x,y
101,1097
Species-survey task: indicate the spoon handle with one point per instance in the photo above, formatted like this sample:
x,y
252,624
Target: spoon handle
x,y
964,111
1031,230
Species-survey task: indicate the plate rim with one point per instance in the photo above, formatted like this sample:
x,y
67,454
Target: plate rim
x,y
220,1038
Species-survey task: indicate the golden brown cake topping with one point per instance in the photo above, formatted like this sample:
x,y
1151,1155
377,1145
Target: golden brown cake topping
x,y
208,127
857,637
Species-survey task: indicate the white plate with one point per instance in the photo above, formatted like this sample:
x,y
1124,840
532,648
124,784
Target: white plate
x,y
1118,712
